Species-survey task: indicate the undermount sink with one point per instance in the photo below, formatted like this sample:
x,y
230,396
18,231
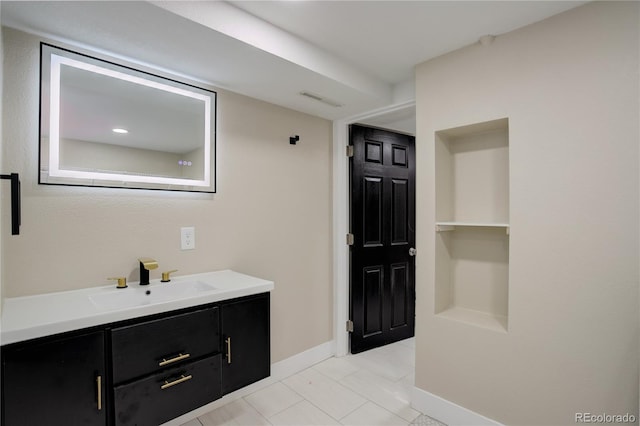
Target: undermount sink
x,y
148,295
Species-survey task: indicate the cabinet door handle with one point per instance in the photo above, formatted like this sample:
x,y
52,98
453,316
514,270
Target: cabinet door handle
x,y
99,385
180,357
228,341
182,379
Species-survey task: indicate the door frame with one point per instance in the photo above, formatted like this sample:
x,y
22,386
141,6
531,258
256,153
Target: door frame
x,y
341,221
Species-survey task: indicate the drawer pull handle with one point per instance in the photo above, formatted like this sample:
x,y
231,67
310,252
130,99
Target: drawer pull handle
x,y
228,341
99,385
180,357
182,379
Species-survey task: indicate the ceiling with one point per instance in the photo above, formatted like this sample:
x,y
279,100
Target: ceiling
x,y
357,54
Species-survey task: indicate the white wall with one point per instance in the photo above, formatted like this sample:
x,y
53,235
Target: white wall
x,y
270,218
569,86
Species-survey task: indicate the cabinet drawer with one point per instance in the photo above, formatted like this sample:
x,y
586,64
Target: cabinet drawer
x,y
152,346
162,397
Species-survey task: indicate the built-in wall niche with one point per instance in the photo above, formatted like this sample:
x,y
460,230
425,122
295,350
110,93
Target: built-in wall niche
x,y
472,224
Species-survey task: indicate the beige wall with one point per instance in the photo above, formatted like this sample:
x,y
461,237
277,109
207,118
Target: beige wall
x,y
270,218
569,86
84,155
4,191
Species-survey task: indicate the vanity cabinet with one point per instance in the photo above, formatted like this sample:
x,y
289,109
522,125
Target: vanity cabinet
x,y
143,372
55,381
245,333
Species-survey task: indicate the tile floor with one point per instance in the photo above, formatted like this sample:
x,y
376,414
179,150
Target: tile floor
x,y
371,388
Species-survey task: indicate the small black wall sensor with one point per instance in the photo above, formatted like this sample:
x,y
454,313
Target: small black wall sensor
x,y
294,139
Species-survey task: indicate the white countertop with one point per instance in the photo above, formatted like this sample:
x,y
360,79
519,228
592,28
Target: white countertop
x,y
29,317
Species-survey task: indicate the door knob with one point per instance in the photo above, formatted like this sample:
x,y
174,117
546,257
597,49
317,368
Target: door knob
x,y
413,251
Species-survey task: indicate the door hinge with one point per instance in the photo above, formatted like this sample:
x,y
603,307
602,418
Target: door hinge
x,y
350,239
349,326
349,151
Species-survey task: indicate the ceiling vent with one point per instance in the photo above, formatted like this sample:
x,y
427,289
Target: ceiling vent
x,y
322,99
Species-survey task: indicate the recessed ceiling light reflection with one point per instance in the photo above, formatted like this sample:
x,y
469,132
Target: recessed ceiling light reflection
x,y
119,130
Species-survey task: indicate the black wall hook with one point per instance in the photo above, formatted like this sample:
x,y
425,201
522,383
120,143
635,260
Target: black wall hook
x,y
15,202
294,139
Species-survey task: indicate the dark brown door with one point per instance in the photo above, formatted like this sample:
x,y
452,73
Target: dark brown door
x,y
382,210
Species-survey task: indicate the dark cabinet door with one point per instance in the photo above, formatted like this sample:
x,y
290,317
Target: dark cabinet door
x,y
245,342
55,382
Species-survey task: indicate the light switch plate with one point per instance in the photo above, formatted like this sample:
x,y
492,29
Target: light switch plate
x,y
188,238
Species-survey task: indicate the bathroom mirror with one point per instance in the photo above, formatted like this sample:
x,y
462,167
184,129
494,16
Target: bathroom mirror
x,y
108,125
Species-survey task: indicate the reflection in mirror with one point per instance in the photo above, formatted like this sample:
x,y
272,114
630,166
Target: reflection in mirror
x,y
102,124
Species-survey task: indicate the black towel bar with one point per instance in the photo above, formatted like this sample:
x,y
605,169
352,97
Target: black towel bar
x,y
15,202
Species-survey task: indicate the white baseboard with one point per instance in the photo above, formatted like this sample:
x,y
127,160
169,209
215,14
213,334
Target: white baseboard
x,y
303,360
446,411
279,371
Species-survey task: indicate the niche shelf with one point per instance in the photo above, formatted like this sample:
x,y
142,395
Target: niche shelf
x,y
451,226
472,224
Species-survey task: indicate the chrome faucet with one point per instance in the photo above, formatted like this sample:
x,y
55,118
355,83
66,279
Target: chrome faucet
x,y
146,264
